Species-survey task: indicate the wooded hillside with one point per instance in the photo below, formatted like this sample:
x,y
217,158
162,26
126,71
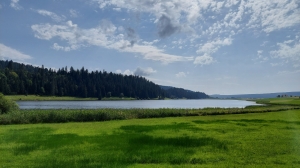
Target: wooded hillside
x,y
16,78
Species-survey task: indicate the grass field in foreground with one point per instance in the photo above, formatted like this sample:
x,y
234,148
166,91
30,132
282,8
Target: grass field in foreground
x,y
240,140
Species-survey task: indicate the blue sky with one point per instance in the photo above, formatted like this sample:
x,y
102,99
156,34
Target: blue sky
x,y
217,47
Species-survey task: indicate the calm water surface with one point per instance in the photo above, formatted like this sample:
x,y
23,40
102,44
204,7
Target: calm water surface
x,y
154,104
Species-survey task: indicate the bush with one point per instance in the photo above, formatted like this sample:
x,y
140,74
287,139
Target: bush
x,y
7,105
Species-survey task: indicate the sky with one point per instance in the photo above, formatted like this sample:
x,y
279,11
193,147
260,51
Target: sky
x,y
211,46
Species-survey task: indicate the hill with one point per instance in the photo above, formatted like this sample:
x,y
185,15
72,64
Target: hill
x,y
257,96
20,79
173,92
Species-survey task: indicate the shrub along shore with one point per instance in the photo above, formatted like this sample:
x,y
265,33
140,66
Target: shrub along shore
x,y
87,115
33,116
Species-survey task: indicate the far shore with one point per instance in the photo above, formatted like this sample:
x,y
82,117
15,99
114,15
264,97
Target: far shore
x,y
67,98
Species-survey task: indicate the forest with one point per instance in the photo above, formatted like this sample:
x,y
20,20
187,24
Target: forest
x,y
20,79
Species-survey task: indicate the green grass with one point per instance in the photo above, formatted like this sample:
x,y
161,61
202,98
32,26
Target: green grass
x,y
60,98
240,140
45,98
86,115
118,98
281,101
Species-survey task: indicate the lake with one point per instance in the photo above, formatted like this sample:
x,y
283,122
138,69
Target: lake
x,y
149,104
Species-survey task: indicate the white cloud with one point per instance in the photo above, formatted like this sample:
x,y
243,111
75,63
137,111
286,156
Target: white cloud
x,y
126,72
288,72
260,56
183,16
273,15
144,72
287,51
259,52
204,60
230,3
67,48
153,53
288,41
213,21
12,54
105,35
47,31
52,15
264,43
15,4
73,13
117,9
213,46
181,74
171,16
209,48
276,64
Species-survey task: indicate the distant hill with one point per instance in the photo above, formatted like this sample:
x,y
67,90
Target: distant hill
x,y
256,96
180,93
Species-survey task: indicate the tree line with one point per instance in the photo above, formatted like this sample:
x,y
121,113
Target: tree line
x,y
21,79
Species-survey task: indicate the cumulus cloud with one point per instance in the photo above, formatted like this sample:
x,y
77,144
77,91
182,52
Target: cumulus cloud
x,y
65,48
105,35
52,15
15,4
189,16
273,15
117,9
288,51
213,21
204,60
144,72
126,72
73,13
213,46
180,74
209,48
12,54
153,53
260,56
168,14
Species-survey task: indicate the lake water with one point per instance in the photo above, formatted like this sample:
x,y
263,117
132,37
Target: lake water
x,y
153,104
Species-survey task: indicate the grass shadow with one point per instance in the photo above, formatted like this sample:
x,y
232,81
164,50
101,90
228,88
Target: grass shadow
x,y
150,128
128,147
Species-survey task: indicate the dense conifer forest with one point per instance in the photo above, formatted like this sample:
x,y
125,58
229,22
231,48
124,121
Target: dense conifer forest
x,y
21,79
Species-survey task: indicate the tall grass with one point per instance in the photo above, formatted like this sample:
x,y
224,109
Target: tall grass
x,y
85,115
47,98
61,98
250,140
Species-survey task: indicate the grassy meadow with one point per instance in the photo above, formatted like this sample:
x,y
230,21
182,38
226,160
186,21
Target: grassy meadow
x,y
240,140
281,101
255,136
